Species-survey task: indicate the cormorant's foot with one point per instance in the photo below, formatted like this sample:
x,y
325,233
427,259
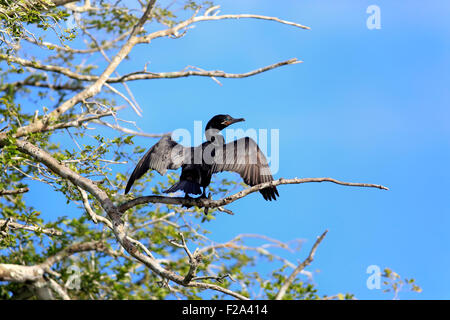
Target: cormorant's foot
x,y
186,196
209,197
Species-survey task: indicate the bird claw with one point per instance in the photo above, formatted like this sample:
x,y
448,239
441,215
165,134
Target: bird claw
x,y
185,205
209,197
203,196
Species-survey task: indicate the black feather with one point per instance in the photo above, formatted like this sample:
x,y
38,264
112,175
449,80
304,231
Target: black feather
x,y
166,154
243,156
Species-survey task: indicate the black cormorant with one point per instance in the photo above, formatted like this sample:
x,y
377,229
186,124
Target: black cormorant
x,y
200,163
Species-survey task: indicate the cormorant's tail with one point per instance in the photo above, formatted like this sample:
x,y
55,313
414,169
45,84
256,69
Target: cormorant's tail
x,y
269,193
186,186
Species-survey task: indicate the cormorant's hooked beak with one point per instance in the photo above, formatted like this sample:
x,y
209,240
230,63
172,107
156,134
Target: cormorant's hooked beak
x,y
231,121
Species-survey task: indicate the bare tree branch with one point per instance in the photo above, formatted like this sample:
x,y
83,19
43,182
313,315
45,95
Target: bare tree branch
x,y
62,2
20,273
87,205
41,84
5,224
82,119
194,260
300,268
174,31
104,46
72,249
218,278
16,191
202,202
35,276
141,75
201,73
129,131
56,287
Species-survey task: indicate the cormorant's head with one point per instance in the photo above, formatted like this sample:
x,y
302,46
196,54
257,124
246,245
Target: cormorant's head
x,y
221,121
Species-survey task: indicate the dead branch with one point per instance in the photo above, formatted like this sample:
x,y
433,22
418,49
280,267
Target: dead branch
x,y
107,45
300,268
16,191
80,121
200,73
194,261
35,276
20,273
140,75
218,278
9,224
40,84
202,202
207,16
129,131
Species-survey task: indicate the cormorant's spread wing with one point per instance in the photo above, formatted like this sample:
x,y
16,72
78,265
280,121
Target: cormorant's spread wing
x,y
244,157
166,154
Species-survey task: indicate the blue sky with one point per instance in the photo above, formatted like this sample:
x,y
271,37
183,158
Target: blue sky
x,y
364,106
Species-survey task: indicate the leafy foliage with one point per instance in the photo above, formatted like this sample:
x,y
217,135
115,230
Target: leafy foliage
x,y
394,283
